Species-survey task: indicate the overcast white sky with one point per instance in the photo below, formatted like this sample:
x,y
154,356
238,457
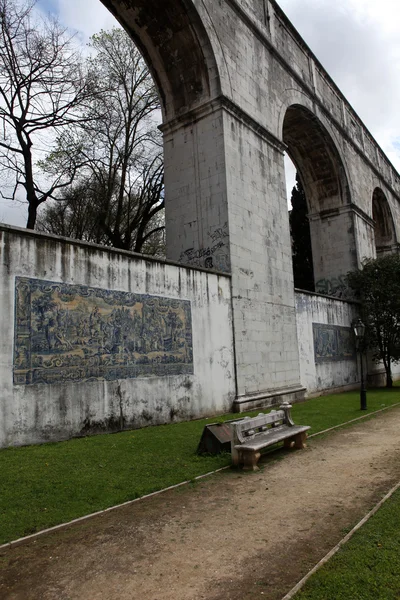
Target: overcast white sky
x,y
357,41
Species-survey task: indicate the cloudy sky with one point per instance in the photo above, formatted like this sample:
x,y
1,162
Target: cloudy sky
x,y
357,41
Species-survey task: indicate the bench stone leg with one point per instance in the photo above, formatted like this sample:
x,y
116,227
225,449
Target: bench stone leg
x,y
300,440
288,443
235,456
250,460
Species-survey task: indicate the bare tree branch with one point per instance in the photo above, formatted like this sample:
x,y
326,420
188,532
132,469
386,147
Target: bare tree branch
x,y
122,172
43,88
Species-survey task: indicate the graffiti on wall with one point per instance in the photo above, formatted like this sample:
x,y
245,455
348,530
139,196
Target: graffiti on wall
x,y
202,257
213,256
69,333
336,287
332,343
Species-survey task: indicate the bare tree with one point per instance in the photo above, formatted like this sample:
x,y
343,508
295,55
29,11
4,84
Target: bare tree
x,y
87,211
119,152
42,90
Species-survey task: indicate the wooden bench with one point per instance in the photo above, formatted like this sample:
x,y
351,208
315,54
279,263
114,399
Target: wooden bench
x,y
250,435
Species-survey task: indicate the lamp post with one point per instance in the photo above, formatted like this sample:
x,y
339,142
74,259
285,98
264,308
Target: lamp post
x,y
359,333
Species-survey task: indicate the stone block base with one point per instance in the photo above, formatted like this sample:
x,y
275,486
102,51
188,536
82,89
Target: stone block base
x,y
268,399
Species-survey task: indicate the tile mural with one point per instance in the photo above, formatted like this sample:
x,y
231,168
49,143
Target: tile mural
x,y
333,343
67,333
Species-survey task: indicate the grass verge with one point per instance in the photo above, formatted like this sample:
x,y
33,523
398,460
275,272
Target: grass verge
x,y
367,567
42,486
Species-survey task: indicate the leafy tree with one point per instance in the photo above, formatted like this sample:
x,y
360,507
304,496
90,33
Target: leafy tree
x,y
119,189
42,90
301,240
377,286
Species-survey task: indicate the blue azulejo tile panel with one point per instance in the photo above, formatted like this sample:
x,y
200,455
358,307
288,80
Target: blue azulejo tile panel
x,y
333,343
67,333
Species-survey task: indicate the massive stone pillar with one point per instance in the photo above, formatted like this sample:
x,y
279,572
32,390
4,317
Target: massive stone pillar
x,y
196,195
225,192
262,276
334,249
226,209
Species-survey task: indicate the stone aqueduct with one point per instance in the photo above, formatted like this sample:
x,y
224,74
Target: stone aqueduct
x,y
239,87
94,339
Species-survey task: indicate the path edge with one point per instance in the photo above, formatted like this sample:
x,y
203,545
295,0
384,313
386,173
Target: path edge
x,y
34,536
342,542
99,513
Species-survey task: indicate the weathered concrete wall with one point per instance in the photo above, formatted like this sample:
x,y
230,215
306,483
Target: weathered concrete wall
x,y
262,274
196,216
326,346
238,87
377,374
120,342
253,90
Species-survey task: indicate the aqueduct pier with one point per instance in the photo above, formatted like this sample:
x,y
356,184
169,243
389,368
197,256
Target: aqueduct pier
x,y
239,87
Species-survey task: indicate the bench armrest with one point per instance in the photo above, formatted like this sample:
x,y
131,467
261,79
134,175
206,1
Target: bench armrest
x,y
286,407
234,441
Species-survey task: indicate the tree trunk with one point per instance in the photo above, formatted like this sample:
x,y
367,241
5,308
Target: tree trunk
x,y
32,213
29,181
389,379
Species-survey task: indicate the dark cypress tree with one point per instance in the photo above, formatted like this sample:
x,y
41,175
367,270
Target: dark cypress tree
x,y
301,240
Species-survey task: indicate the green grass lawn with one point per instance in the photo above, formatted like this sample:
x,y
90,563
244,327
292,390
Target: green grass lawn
x,y
367,567
45,485
328,411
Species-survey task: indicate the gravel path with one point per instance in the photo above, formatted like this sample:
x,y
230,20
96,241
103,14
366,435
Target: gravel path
x,y
233,536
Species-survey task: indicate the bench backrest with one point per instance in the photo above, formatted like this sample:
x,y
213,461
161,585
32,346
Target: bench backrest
x,y
250,427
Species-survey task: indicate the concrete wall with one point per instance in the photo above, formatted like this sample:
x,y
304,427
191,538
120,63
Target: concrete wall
x,y
239,87
43,400
96,340
326,347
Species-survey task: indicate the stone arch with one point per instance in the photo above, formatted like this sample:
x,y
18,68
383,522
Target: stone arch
x,y
175,40
176,47
317,159
385,235
323,175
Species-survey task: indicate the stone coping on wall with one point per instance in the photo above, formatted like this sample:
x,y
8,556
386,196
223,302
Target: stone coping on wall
x,y
136,255
326,297
91,246
268,398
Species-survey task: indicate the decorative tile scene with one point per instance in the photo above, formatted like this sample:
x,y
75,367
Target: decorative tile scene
x,y
332,343
67,333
